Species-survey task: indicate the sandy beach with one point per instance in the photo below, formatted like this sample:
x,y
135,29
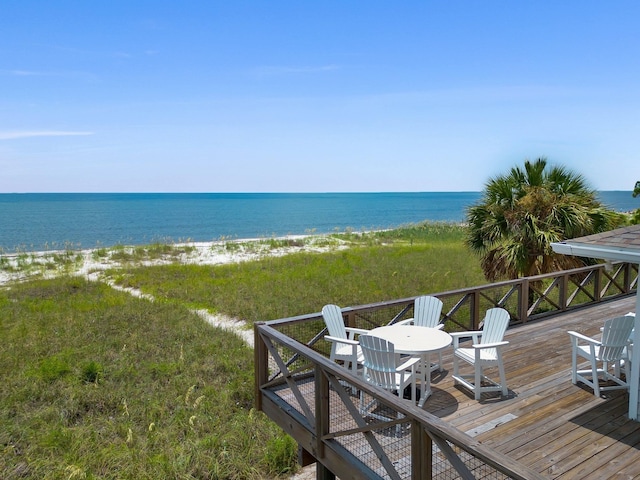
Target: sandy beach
x,y
92,262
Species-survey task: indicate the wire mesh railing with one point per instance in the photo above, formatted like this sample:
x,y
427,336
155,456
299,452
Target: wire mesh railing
x,y
320,404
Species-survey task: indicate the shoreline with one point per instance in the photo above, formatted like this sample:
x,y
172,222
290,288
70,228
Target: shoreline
x,y
52,222
85,262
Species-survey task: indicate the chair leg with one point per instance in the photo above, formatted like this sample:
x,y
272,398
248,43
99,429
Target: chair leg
x,y
594,377
354,370
616,368
413,389
477,387
574,366
455,365
627,370
503,378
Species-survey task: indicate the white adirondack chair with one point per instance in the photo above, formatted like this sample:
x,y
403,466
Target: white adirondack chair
x,y
611,350
427,311
344,346
381,369
485,351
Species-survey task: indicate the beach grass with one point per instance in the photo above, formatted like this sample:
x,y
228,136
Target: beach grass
x,y
378,266
97,383
34,264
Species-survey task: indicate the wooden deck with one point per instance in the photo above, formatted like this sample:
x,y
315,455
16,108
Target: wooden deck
x,y
554,427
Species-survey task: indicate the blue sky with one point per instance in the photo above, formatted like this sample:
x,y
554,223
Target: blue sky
x,y
323,96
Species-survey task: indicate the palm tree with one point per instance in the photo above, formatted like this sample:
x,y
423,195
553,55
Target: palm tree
x,y
520,214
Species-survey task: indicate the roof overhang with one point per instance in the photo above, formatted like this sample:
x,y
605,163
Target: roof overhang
x,y
592,251
622,244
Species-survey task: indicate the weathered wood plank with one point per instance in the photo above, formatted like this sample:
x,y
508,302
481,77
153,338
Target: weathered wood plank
x,y
561,430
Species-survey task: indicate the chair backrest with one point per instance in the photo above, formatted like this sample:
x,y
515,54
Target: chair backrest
x,y
379,361
426,311
333,320
615,336
496,321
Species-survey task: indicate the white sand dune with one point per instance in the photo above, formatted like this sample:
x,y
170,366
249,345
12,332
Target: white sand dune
x,y
93,263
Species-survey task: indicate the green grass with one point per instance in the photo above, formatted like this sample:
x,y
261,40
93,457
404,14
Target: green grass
x,y
301,283
379,266
99,384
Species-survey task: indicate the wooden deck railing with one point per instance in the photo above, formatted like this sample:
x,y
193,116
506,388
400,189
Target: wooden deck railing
x,y
313,399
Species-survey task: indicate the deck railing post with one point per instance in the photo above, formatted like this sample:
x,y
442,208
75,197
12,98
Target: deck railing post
x,y
350,320
260,363
322,420
475,310
322,410
597,282
564,289
523,301
421,453
627,277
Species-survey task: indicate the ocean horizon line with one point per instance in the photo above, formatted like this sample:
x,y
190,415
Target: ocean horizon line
x,y
356,192
246,193
42,221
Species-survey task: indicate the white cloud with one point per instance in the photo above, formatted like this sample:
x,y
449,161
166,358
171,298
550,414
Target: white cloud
x,y
12,135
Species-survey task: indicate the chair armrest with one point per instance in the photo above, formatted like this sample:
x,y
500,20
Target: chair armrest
x,y
359,331
409,363
406,321
458,335
490,345
409,321
580,336
347,341
466,334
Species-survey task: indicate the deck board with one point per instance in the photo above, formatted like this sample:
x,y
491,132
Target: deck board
x,y
560,430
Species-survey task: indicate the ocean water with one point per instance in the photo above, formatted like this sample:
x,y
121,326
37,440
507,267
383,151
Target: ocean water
x,y
33,222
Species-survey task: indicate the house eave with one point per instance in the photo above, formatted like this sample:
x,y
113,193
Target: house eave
x,y
605,253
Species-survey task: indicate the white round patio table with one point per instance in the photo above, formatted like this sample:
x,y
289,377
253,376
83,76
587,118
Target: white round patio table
x,y
416,341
